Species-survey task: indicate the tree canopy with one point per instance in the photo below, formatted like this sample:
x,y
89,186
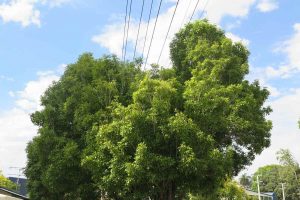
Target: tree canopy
x,y
109,129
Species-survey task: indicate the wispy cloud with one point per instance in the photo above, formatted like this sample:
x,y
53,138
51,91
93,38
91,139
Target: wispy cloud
x,y
6,78
291,66
267,5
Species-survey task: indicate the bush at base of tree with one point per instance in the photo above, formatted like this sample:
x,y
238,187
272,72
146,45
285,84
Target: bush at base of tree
x,y
6,183
230,190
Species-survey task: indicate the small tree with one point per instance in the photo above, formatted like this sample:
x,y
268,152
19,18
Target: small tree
x,y
6,183
230,190
245,181
285,157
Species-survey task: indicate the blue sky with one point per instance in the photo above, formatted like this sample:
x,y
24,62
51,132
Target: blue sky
x,y
39,37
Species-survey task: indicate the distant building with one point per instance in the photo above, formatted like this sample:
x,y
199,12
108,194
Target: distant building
x,y
6,194
263,195
21,185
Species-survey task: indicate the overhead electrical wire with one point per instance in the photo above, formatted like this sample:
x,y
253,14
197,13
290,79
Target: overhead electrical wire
x,y
137,37
125,25
149,17
203,10
125,48
194,11
168,32
153,33
185,14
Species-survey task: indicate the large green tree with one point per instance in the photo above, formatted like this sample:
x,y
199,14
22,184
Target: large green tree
x,y
108,129
188,131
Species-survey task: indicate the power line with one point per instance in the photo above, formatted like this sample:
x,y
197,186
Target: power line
x,y
204,8
127,31
194,11
182,23
125,25
137,37
168,31
153,32
185,14
149,17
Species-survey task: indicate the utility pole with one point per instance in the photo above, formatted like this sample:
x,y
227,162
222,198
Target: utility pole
x,y
296,177
20,169
258,190
283,195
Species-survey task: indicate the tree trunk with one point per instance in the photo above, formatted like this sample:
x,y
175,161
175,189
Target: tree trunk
x,y
167,192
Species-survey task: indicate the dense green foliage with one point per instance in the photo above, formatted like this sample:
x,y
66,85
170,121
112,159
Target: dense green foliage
x,y
218,98
154,150
271,177
71,107
109,129
6,183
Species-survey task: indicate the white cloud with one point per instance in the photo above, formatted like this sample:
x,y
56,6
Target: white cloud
x,y
267,5
16,129
285,133
291,66
274,92
21,11
263,77
217,9
29,98
290,48
61,68
56,3
236,38
25,12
